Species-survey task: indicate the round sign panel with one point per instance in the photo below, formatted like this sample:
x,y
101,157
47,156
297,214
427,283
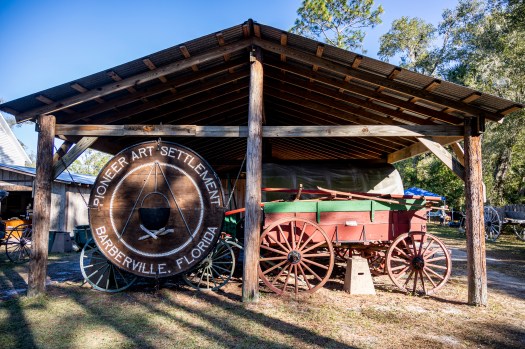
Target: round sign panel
x,y
156,209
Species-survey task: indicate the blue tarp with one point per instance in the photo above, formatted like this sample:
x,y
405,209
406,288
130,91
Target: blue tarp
x,y
418,191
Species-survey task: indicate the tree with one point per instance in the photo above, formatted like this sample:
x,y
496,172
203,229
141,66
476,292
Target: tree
x,y
90,162
339,23
480,44
411,39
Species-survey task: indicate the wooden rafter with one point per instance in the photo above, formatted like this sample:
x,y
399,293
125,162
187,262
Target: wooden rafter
x,y
170,86
210,85
367,104
134,80
444,156
376,95
374,79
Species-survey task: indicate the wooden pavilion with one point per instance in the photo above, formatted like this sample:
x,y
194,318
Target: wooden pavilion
x,y
256,91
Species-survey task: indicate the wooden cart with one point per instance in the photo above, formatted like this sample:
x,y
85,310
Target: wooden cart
x,y
301,240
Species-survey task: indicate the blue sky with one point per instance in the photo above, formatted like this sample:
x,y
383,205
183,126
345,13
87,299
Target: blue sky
x,y
45,43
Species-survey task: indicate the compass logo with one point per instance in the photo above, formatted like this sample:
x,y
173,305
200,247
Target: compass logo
x,y
156,209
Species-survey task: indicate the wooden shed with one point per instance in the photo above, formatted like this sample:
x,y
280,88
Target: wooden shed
x,y
69,194
260,94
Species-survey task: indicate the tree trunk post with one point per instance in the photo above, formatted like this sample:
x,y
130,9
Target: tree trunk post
x,y
252,225
42,206
476,263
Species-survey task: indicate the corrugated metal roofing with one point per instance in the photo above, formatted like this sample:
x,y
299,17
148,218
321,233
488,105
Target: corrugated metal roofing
x,y
65,177
303,85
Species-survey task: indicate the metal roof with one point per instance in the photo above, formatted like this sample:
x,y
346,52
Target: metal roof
x,y
205,82
65,177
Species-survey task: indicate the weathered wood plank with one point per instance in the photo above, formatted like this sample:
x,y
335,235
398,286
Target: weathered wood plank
x,y
460,153
444,156
134,80
418,148
42,207
250,285
377,80
267,131
476,262
60,165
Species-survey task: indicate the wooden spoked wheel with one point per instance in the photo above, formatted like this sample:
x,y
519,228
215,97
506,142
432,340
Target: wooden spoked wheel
x,y
296,256
343,253
519,230
214,271
100,273
418,263
492,223
376,261
18,243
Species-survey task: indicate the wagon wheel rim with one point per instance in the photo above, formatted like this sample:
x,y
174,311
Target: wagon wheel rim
x,y
296,256
18,243
100,273
492,223
418,263
214,271
519,230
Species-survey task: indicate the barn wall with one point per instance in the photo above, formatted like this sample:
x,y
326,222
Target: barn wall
x,y
67,206
58,207
77,211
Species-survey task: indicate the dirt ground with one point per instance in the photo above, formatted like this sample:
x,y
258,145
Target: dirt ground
x,y
171,315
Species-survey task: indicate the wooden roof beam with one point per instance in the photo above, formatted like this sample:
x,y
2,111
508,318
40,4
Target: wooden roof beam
x,y
327,105
512,109
186,54
394,73
284,42
76,86
213,84
48,101
354,89
372,78
280,131
418,148
115,77
320,118
318,53
152,66
177,83
134,80
220,40
354,100
433,85
186,112
472,97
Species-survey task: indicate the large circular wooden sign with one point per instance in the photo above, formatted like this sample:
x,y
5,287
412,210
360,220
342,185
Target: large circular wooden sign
x,y
156,209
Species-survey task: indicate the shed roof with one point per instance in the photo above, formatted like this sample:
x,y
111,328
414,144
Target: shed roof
x,y
205,81
65,177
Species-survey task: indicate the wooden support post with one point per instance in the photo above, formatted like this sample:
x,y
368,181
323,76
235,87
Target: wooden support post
x,y
476,263
42,206
252,226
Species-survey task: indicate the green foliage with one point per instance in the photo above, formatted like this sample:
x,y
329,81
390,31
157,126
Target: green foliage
x,y
90,162
480,44
339,23
427,172
411,39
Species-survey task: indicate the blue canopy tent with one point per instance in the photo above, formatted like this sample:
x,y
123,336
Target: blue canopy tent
x,y
418,192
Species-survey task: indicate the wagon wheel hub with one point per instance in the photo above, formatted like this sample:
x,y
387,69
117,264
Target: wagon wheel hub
x,y
294,257
418,263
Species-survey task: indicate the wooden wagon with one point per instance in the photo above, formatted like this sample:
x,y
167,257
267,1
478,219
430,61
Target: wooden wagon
x,y
301,240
